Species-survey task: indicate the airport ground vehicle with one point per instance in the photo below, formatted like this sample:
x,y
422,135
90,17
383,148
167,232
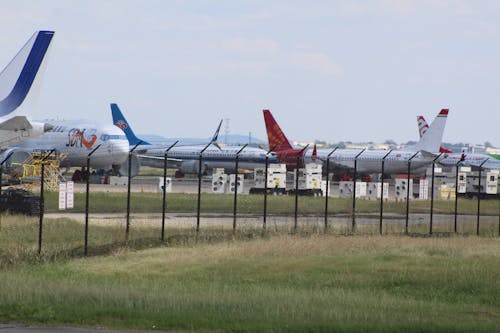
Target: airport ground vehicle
x,y
19,201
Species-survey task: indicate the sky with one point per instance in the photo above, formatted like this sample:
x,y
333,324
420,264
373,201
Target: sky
x,y
328,70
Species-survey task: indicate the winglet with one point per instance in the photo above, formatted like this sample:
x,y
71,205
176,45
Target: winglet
x,y
32,55
122,123
215,137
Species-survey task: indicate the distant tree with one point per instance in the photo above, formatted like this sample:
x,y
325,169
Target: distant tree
x,y
390,142
487,144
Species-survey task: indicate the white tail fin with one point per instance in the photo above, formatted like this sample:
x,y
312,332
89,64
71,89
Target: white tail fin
x,y
432,136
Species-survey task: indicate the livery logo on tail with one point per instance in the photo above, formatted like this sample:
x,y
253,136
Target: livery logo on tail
x,y
121,125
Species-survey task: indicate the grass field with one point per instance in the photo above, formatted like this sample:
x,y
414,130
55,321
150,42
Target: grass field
x,y
277,283
102,202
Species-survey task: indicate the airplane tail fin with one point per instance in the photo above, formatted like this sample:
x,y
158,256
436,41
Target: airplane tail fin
x,y
275,136
122,123
423,127
17,77
432,138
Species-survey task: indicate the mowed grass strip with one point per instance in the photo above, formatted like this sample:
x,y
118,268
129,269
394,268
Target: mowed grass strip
x,y
113,202
278,284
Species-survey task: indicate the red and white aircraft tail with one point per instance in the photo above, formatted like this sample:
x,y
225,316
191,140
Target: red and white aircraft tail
x,y
422,129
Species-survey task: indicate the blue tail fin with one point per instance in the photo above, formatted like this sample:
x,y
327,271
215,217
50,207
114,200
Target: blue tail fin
x,y
120,122
18,76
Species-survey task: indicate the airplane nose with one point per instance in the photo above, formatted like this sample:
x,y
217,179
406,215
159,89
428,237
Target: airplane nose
x,y
47,127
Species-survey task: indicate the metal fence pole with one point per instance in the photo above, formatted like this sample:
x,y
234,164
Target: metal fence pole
x,y
296,193
456,197
129,181
355,175
300,153
381,210
42,203
264,221
479,196
408,192
432,192
164,194
235,202
328,186
87,188
198,204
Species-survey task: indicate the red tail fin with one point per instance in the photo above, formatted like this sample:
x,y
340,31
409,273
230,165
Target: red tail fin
x,y
314,153
275,136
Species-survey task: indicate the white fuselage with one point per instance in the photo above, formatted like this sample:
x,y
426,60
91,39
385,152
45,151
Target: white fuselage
x,y
213,157
76,139
370,161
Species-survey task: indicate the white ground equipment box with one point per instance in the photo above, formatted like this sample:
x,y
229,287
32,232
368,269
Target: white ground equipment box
x,y
401,187
232,183
276,179
168,184
219,181
374,190
346,189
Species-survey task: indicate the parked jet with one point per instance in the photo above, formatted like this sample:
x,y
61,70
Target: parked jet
x,y
186,158
489,161
16,80
75,140
369,161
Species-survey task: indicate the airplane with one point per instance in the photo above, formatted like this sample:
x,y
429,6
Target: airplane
x,y
73,141
423,127
368,161
186,158
16,80
491,161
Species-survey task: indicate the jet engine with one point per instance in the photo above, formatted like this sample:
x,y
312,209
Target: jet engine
x,y
135,166
191,167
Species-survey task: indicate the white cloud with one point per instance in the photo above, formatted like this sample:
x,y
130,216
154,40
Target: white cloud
x,y
315,61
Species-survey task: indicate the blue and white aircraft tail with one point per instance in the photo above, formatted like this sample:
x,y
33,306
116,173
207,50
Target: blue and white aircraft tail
x,y
122,123
16,80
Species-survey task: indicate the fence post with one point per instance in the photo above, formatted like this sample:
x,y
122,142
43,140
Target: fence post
x,y
479,196
354,190
456,196
198,205
432,192
327,186
382,192
408,192
42,203
129,178
87,187
235,202
299,154
164,197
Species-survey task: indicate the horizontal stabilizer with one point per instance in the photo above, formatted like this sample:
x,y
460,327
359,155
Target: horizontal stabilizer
x,y
17,123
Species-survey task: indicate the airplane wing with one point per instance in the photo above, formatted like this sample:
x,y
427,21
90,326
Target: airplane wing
x,y
157,161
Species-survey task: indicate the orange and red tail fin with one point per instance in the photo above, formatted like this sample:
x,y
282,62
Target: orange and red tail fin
x,y
275,136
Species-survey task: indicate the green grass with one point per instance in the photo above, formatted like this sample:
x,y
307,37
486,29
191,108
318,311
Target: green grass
x,y
279,283
102,202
